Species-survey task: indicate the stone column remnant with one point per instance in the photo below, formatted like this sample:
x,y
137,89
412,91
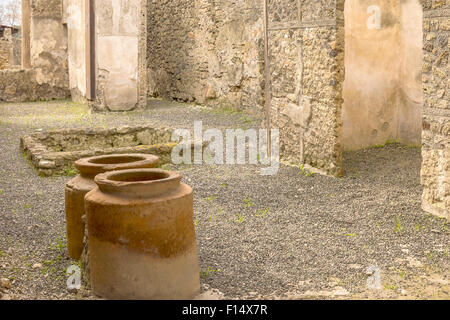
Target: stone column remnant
x,y
26,16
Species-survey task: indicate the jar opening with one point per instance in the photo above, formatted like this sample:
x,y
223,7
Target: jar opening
x,y
115,159
138,176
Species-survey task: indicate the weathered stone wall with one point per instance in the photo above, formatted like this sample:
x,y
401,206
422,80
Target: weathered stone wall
x,y
17,51
21,85
307,54
48,77
436,123
49,43
5,53
210,52
9,50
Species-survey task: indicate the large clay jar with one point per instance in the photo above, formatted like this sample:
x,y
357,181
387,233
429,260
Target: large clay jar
x,y
141,236
78,187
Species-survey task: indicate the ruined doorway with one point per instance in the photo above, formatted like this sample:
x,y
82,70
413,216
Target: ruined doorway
x,y
383,73
10,34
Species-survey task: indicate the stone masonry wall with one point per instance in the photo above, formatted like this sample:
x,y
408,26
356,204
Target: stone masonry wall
x,y
21,85
210,52
436,123
48,77
5,53
9,51
17,51
307,54
195,54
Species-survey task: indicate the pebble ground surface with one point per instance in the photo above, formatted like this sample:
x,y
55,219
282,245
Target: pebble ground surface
x,y
294,235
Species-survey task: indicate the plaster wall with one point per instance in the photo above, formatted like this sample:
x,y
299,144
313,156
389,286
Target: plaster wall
x,y
117,47
75,19
382,88
410,104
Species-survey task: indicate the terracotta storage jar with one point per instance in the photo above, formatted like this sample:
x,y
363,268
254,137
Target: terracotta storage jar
x,y
77,188
141,236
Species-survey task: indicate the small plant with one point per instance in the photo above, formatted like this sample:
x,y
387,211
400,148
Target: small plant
x,y
248,203
1,192
196,222
224,185
60,245
240,218
211,198
399,228
304,172
166,167
208,271
392,287
246,119
350,235
262,213
49,262
70,172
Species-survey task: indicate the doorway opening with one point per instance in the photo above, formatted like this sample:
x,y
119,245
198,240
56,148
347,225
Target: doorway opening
x,y
10,34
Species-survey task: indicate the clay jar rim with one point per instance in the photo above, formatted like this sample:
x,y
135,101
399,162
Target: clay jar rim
x,y
138,182
93,166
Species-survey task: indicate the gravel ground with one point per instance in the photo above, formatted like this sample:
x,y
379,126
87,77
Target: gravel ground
x,y
289,236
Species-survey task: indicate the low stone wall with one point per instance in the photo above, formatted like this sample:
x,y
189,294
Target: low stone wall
x,y
56,151
20,85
